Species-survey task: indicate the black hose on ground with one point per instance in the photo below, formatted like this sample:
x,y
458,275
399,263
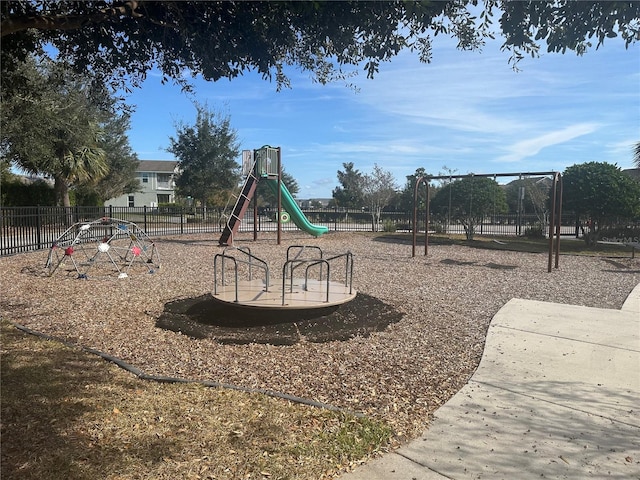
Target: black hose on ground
x,y
207,383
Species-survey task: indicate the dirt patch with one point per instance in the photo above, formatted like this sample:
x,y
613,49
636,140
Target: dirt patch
x,y
204,317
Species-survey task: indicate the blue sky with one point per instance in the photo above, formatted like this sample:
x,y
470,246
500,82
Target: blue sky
x,y
468,111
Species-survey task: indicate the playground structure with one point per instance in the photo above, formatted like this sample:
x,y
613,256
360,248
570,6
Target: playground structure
x,y
243,279
107,246
554,220
265,164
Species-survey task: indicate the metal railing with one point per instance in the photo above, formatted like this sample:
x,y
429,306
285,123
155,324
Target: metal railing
x,y
247,258
298,260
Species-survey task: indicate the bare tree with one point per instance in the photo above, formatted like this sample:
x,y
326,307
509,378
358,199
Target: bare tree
x,y
378,190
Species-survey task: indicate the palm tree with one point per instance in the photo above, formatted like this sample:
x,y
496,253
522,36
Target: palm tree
x,y
76,156
636,155
52,127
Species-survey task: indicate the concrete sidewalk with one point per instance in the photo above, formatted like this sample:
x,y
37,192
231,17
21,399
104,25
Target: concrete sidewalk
x,y
556,395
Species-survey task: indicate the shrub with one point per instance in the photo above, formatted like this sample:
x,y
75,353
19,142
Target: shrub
x,y
389,226
534,231
17,193
438,228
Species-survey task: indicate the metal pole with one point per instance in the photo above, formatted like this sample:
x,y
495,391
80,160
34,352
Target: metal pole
x,y
552,221
255,195
559,220
279,195
520,205
255,217
414,233
426,220
449,209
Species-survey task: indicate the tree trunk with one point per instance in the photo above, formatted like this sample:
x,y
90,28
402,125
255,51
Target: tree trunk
x,y
204,207
61,190
592,233
469,229
375,218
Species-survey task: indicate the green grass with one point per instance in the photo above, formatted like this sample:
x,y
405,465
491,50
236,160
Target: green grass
x,y
68,414
568,246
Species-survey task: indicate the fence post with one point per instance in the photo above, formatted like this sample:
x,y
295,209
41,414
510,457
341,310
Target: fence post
x,y
144,216
181,220
335,218
38,227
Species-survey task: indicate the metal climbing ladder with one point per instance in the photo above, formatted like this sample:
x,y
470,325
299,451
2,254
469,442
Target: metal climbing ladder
x,y
256,164
240,208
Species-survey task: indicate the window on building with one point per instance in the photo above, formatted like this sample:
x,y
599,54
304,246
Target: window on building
x,y
164,180
145,178
132,201
163,198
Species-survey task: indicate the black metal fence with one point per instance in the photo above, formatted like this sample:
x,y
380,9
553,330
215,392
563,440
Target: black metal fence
x,y
25,229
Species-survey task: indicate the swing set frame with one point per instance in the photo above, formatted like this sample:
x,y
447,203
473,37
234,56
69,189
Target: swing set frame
x,y
554,220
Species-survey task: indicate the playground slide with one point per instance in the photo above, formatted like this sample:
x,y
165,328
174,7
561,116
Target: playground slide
x,y
290,205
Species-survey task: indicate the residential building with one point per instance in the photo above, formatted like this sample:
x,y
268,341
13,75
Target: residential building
x,y
307,203
633,173
157,179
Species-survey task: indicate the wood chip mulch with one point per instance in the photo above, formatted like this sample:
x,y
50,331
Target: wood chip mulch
x,y
411,339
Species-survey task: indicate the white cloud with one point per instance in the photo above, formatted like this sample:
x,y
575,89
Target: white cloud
x,y
465,110
532,146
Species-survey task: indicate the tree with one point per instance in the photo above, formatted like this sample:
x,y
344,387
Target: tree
x,y
17,191
472,199
535,199
350,194
122,165
405,198
378,188
206,154
450,172
6,175
51,125
636,155
123,40
600,195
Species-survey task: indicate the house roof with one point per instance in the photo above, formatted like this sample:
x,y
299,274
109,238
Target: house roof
x,y
165,166
633,173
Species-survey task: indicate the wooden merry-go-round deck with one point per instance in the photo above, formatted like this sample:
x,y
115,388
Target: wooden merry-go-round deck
x,y
255,294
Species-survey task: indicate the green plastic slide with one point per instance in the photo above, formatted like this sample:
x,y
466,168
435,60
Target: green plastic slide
x,y
290,205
